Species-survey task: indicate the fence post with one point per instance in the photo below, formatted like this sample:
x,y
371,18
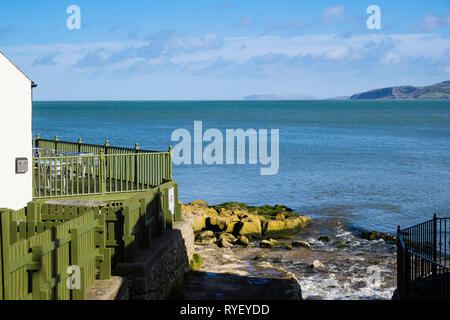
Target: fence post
x,y
80,142
168,217
127,237
434,268
77,293
105,264
102,172
177,211
5,257
36,279
56,144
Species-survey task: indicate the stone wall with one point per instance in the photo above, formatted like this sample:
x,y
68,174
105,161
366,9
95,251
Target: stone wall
x,y
161,267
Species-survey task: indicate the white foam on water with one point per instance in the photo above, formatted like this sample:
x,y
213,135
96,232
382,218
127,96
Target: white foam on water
x,y
343,280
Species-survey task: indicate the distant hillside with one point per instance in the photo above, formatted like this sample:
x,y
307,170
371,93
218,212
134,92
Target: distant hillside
x,y
266,97
435,91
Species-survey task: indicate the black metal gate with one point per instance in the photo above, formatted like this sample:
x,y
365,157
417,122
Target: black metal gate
x,y
423,260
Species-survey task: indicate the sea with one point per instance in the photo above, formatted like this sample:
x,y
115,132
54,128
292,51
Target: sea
x,y
351,165
375,165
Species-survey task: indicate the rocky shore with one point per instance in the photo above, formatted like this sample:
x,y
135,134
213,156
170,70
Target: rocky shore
x,y
271,252
232,222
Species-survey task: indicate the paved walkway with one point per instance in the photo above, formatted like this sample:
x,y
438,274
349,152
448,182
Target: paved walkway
x,y
224,276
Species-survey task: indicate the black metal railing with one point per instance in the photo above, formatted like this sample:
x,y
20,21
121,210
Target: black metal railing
x,y
423,260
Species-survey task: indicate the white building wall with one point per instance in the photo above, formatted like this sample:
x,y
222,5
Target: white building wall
x,y
15,135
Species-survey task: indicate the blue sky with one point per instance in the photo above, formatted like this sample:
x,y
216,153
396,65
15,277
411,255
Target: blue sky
x,y
170,50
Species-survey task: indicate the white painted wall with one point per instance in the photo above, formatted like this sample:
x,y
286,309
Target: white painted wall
x,y
15,135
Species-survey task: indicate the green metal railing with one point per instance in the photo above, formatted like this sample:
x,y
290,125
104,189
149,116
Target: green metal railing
x,y
74,169
80,147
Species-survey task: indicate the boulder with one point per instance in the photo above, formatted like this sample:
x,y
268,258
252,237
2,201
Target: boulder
x,y
260,257
206,237
198,212
340,243
205,234
302,244
208,240
198,223
228,237
221,223
375,235
324,238
199,204
317,265
289,226
243,240
224,243
250,227
272,243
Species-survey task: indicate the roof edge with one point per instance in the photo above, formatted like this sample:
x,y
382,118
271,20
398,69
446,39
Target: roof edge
x,y
33,84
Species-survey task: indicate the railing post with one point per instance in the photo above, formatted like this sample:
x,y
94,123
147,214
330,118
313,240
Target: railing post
x,y
400,266
136,149
79,144
56,144
170,162
106,146
434,269
102,171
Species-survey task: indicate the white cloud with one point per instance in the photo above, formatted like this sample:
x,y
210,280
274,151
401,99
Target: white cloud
x,y
338,53
333,14
430,22
391,58
261,58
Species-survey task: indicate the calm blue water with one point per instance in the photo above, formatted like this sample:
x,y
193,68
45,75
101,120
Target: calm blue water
x,y
374,164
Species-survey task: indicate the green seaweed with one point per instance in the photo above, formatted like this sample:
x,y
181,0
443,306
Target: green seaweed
x,y
196,262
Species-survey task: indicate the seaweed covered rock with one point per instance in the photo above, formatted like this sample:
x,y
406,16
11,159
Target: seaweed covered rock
x,y
272,243
375,235
198,210
251,222
289,226
266,211
250,227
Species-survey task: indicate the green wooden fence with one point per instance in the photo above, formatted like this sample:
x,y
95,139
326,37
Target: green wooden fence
x,y
129,224
35,257
39,243
78,169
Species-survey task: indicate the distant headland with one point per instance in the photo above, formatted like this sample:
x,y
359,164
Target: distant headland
x,y
436,91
